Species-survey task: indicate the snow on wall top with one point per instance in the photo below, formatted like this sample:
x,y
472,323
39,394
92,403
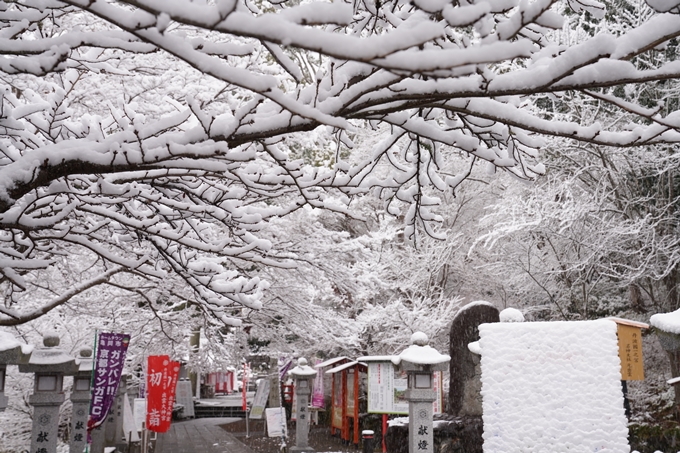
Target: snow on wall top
x,y
552,387
668,322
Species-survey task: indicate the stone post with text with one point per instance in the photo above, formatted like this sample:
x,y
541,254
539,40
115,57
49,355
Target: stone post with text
x,y
303,375
420,361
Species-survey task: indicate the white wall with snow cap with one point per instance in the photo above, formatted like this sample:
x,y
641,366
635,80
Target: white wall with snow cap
x,y
552,387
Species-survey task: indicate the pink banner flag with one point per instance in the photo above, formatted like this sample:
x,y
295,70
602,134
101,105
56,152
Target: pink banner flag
x,y
317,392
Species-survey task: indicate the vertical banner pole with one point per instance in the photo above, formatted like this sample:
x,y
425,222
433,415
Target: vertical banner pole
x,y
94,355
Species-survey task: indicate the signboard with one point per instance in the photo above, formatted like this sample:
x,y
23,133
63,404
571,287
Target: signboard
x,y
139,412
630,352
317,391
387,389
260,400
129,428
162,374
275,422
349,402
185,397
108,368
337,401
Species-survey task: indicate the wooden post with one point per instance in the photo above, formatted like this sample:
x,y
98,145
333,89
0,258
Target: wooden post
x,y
356,405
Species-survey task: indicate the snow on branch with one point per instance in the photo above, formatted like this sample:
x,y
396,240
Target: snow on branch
x,y
162,135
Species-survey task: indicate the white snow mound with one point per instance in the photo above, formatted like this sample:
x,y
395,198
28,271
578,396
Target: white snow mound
x,y
552,387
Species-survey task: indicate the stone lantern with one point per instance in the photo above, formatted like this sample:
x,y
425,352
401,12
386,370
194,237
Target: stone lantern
x,y
420,361
12,352
80,397
303,375
50,364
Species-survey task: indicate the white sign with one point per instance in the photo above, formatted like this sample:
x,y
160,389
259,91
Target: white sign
x,y
276,425
387,389
131,432
140,412
260,400
185,398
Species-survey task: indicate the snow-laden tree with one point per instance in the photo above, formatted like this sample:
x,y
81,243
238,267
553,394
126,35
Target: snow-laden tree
x,y
157,137
597,235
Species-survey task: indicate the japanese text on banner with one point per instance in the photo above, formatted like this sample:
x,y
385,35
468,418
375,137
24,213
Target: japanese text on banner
x,y
162,374
108,368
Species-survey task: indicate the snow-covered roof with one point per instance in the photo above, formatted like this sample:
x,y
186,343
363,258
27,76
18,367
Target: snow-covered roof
x,y
344,366
330,362
668,322
8,341
420,353
302,369
376,358
628,322
552,387
50,358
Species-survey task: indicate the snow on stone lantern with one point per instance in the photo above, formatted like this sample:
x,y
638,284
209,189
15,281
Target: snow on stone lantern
x,y
420,361
80,397
303,375
667,329
12,352
50,364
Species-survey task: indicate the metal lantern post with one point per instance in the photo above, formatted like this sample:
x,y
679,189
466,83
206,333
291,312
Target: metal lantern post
x,y
303,375
80,397
420,361
49,363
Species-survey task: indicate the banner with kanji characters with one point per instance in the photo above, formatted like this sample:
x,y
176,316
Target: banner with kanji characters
x,y
108,368
161,382
317,391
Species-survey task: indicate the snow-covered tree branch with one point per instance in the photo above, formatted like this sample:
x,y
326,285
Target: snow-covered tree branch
x,y
158,137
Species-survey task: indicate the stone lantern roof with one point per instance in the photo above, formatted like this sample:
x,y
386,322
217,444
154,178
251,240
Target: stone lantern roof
x,y
302,370
420,355
50,358
84,361
12,351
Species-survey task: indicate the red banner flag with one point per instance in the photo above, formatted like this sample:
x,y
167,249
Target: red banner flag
x,y
244,387
161,381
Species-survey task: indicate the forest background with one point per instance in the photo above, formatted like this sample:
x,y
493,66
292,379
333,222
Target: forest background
x,y
322,179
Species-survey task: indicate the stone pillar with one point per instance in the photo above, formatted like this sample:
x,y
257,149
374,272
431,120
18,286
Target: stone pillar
x,y
80,398
50,364
420,425
465,372
304,377
420,361
274,384
12,352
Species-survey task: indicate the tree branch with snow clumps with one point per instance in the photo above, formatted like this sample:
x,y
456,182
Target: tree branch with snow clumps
x,y
178,176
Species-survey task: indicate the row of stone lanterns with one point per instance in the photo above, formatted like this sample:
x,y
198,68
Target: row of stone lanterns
x,y
50,364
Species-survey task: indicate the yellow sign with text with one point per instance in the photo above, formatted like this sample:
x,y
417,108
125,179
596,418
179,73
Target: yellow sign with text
x,y
630,352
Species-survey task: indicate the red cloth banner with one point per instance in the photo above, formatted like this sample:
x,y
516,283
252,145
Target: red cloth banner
x,y
161,382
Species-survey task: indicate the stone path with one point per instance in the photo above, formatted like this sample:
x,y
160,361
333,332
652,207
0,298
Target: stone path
x,y
200,435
